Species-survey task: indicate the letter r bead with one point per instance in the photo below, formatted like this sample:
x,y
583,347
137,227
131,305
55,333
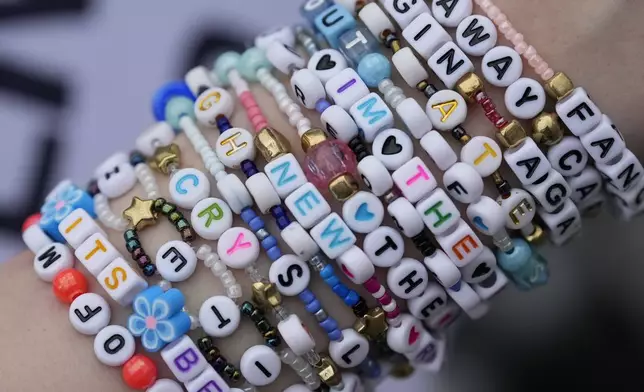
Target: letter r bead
x,y
461,245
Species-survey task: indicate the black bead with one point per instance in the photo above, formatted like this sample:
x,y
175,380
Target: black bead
x,y
504,188
136,158
430,90
247,308
159,203
424,244
273,342
257,315
204,343
92,188
359,148
263,326
360,308
219,364
458,133
229,371
149,270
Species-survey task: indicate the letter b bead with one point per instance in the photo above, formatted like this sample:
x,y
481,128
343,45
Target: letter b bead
x,y
184,359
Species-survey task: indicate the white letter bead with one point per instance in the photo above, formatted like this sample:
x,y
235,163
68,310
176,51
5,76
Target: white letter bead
x,y
333,236
356,265
406,337
626,204
262,190
285,174
303,388
502,66
480,268
238,247
465,297
568,157
442,319
165,385
579,112
431,300
425,35
51,259
552,192
407,279
446,109
207,381
375,175
414,179
623,174
339,123
35,238
363,212
585,186
234,192
461,245
527,162
282,34
407,219
283,58
486,215
384,246
476,35
114,345
463,183
77,227
188,186
184,359
393,147
211,217
563,224
450,64
327,63
604,143
307,205
115,176
492,285
176,261
438,212
121,282
89,313
409,67
295,335
451,12
441,153
300,241
198,80
219,316
525,98
235,146
350,351
414,117
96,252
483,154
518,210
375,19
290,275
158,135
307,87
430,354
372,115
405,11
444,270
211,104
260,365
346,88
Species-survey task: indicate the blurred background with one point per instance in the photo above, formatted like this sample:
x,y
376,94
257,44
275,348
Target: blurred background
x,y
76,77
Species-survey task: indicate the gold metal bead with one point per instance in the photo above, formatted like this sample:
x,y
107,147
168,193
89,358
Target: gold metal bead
x,y
343,187
373,324
469,85
312,137
328,371
140,213
537,235
559,86
266,295
165,157
401,370
512,134
271,144
547,130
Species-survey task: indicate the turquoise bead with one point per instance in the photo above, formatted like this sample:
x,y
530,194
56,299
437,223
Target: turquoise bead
x,y
374,68
526,268
166,93
334,21
251,61
176,108
223,65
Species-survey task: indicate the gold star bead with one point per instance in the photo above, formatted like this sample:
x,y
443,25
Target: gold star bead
x,y
372,324
165,157
140,213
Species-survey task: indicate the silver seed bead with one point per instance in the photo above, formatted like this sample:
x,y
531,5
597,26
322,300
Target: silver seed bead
x,y
262,234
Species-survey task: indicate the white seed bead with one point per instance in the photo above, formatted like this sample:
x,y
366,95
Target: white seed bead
x,y
227,278
234,291
106,216
218,269
210,259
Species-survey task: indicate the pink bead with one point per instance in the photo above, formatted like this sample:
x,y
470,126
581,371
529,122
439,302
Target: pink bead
x,y
541,68
521,47
372,285
254,113
535,61
493,12
530,52
485,5
511,33
516,38
394,313
385,299
500,19
505,27
547,74
328,160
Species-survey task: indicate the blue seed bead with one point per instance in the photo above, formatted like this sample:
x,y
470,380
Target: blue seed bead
x,y
248,214
165,93
352,298
356,43
269,242
313,307
332,22
256,223
322,105
249,168
283,222
370,368
526,268
335,335
222,123
456,286
136,157
332,280
310,9
274,253
340,290
224,64
329,324
251,61
307,296
149,270
327,271
374,68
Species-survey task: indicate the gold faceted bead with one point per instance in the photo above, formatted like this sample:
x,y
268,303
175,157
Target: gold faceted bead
x,y
469,85
271,144
140,213
328,371
165,157
547,130
312,137
266,295
373,324
559,86
538,234
343,187
512,134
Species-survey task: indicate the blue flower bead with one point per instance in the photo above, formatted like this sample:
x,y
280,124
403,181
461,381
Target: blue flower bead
x,y
65,199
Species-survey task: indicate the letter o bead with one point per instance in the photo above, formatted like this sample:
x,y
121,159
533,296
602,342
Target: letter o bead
x,y
114,345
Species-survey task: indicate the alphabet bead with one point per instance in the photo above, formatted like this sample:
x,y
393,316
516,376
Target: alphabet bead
x,y
208,380
425,35
332,22
307,205
165,385
281,34
339,123
312,8
355,44
234,192
502,66
624,173
188,186
604,143
96,252
351,351
211,104
393,148
476,35
299,241
527,162
461,245
260,365
210,217
446,109
327,63
198,80
176,261
375,175
451,13
409,67
443,269
431,300
283,57
384,246
290,275
235,146
568,157
438,212
286,174
486,215
441,153
121,282
480,268
465,298
333,236
406,217
238,247
115,176
407,279
525,98
263,192
563,224
219,316
77,227
356,265
518,209
52,259
404,11
579,112
89,313
483,154
552,192
450,64
346,88
430,354
32,235
307,87
372,115
184,359
363,212
442,319
463,183
406,337
492,285
414,179
158,135
295,335
414,117
114,345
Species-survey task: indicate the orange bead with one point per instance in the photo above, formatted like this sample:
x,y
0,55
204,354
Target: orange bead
x,y
30,221
69,284
139,372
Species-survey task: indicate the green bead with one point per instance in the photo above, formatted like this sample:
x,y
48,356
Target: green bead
x,y
247,308
158,203
131,245
257,315
224,64
182,224
168,208
175,217
130,234
251,61
178,107
236,376
272,333
263,326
